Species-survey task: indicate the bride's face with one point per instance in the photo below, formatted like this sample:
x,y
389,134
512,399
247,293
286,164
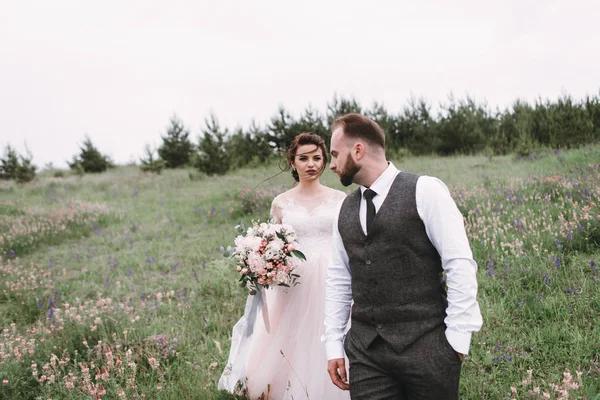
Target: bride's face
x,y
308,161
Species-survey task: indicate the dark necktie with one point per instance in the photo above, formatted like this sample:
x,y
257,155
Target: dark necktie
x,y
369,194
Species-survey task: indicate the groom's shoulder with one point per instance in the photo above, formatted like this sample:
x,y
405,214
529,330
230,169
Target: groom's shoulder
x,y
409,175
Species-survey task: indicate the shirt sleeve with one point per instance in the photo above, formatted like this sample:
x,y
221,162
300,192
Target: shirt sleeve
x,y
338,297
445,228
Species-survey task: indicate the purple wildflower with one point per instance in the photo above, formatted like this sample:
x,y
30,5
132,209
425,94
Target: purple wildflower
x,y
490,267
558,245
547,280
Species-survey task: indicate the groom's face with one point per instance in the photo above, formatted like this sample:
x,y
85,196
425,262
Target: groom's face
x,y
342,162
350,169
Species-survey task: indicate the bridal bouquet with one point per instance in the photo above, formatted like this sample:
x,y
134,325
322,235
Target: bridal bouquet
x,y
266,255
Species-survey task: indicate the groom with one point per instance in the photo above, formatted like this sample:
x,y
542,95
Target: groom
x,y
391,241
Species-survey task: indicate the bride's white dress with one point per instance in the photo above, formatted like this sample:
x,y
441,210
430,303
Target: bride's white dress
x,y
289,361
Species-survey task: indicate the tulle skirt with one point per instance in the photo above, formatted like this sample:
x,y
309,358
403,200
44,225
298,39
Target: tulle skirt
x,y
288,361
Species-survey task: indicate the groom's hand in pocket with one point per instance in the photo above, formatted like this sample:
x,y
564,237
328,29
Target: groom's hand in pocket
x,y
337,373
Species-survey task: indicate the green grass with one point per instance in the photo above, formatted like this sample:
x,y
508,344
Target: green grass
x,y
155,254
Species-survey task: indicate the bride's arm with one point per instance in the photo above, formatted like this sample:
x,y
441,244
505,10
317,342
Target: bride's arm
x,y
276,211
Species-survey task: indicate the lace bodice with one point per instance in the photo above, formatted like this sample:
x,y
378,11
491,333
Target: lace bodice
x,y
312,220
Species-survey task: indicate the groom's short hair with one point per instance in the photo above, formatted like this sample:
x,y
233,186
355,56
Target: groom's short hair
x,y
357,126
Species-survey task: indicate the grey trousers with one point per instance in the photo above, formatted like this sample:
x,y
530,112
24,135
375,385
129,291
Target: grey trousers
x,y
428,369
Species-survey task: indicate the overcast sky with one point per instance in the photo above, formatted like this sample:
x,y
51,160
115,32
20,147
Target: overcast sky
x,y
117,70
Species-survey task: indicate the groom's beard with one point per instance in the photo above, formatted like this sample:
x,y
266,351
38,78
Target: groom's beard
x,y
350,169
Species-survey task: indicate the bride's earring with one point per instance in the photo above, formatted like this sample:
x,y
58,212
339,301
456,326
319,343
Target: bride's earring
x,y
293,169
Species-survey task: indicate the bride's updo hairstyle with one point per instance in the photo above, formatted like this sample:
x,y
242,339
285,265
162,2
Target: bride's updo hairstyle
x,y
302,139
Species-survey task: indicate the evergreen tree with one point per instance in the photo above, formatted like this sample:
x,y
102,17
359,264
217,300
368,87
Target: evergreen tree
x,y
151,163
212,152
90,159
9,164
260,143
239,147
463,127
312,121
16,166
515,128
574,127
176,148
415,128
26,169
340,106
592,107
280,130
248,148
388,123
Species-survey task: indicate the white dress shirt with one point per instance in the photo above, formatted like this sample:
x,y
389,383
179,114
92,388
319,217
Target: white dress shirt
x,y
445,229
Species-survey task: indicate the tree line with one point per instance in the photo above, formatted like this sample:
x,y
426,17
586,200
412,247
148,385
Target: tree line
x,y
458,126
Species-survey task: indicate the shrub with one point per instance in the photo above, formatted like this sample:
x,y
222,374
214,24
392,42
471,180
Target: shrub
x,y
17,167
90,159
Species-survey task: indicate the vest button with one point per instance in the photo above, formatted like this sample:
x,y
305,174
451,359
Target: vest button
x,y
379,326
368,262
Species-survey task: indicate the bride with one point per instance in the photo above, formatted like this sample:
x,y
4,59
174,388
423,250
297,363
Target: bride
x,y
288,360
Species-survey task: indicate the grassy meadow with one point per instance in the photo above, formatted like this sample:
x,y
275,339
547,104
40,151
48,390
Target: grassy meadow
x,y
112,286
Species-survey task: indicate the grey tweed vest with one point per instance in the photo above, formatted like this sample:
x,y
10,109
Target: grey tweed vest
x,y
396,272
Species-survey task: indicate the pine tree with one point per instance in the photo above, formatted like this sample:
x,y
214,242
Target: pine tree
x,y
151,162
260,143
212,151
341,106
9,164
312,121
379,114
176,148
26,169
90,159
280,130
16,166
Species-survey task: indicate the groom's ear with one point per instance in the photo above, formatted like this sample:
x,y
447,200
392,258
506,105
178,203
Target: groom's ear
x,y
359,150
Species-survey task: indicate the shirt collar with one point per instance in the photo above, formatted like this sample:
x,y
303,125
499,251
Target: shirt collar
x,y
383,181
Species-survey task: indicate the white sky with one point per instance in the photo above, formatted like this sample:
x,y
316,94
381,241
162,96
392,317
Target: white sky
x,y
117,70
